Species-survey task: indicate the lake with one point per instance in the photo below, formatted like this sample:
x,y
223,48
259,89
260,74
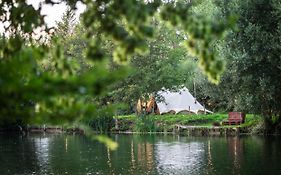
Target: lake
x,y
139,154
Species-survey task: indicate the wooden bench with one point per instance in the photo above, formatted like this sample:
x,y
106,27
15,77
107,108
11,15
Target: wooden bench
x,y
235,118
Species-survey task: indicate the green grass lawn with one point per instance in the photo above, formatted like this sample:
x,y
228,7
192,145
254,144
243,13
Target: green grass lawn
x,y
190,120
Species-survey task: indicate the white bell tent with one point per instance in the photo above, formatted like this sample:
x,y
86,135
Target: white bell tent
x,y
181,101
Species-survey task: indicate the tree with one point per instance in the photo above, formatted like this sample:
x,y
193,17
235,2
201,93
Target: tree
x,y
257,60
31,93
251,81
166,65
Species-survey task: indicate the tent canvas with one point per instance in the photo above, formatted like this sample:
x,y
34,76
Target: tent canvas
x,y
178,102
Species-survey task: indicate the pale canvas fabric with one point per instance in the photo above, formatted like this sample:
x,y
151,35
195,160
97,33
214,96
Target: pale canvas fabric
x,y
179,101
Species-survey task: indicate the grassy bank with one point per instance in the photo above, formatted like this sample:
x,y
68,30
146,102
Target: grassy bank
x,y
162,123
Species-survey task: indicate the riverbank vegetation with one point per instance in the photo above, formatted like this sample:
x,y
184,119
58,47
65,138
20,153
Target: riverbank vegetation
x,y
166,123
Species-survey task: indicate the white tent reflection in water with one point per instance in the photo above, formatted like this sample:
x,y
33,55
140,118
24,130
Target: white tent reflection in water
x,y
179,157
42,148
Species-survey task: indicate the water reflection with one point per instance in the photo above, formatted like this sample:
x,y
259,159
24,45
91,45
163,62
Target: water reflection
x,y
173,158
235,147
210,167
139,154
41,146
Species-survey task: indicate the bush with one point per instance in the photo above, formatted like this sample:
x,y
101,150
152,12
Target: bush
x,y
258,128
145,124
102,122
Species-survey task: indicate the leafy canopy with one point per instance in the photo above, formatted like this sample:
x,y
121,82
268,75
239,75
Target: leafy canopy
x,y
41,81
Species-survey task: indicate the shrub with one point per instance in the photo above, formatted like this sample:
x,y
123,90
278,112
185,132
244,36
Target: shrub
x,y
102,122
145,124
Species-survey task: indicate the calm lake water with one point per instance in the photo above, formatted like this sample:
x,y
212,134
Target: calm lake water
x,y
139,154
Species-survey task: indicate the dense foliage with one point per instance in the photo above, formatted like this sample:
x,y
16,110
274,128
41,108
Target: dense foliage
x,y
79,70
256,60
251,82
166,65
40,79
